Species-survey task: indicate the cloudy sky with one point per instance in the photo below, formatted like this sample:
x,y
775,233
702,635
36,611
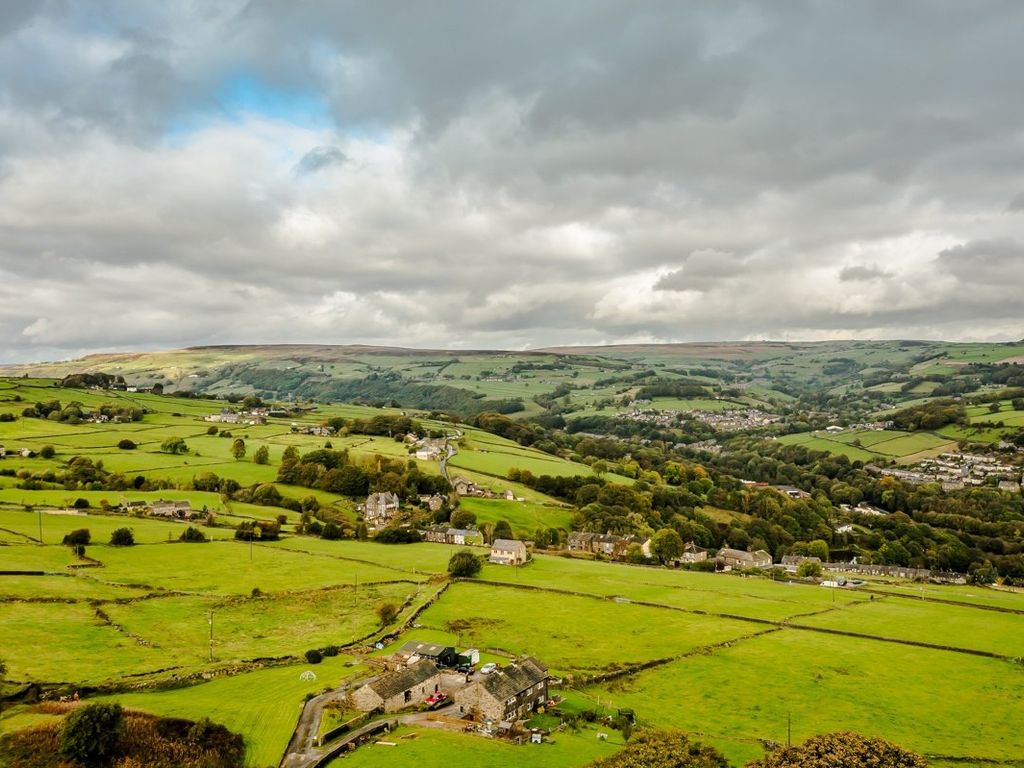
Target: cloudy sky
x,y
507,174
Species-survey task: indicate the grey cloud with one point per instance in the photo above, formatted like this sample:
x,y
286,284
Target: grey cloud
x,y
319,158
514,174
862,272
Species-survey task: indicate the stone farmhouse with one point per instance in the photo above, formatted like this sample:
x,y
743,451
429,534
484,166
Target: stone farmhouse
x,y
381,507
508,552
396,690
727,559
607,544
507,695
693,554
177,510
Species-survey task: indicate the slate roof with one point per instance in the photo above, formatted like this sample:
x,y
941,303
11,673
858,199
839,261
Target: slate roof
x,y
512,679
394,683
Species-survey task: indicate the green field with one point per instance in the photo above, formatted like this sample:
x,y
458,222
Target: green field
x,y
524,517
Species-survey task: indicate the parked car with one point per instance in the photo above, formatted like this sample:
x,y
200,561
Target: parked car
x,y
437,699
486,669
465,669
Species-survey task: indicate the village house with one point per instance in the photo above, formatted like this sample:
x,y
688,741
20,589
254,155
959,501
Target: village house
x,y
508,552
381,507
507,695
441,534
177,510
581,541
434,503
396,690
693,554
727,559
464,487
440,655
792,492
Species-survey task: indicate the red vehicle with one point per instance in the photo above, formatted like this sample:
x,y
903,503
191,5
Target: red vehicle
x,y
437,699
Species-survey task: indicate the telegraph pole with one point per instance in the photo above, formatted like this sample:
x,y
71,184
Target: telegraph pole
x,y
211,634
39,515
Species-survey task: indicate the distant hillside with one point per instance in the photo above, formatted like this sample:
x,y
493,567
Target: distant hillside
x,y
564,380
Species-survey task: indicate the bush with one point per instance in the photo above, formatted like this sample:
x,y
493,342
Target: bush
x,y
127,445
47,451
464,564
330,531
398,536
91,734
81,503
663,749
387,613
192,535
313,656
122,537
849,750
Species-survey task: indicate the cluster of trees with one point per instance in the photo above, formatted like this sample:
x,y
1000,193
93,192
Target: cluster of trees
x,y
932,415
380,424
75,412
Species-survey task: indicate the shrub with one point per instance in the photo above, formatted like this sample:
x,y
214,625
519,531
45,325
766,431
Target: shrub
x,y
192,535
840,749
91,734
330,531
313,656
663,749
398,536
126,445
47,451
122,537
464,564
387,613
81,503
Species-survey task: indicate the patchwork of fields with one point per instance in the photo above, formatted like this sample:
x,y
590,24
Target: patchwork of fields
x,y
732,657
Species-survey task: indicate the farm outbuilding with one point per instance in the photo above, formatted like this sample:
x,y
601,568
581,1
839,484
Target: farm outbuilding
x,y
440,655
393,691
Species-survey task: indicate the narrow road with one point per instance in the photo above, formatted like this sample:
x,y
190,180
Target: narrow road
x,y
449,452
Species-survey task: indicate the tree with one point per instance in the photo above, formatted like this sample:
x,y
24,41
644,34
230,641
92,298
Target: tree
x,y
361,532
122,537
174,445
127,445
91,734
808,568
462,518
502,530
387,612
78,537
238,449
818,548
464,564
211,430
845,750
666,545
663,749
47,452
313,656
262,455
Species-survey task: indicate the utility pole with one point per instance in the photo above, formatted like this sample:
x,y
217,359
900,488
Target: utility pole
x,y
251,537
211,634
39,515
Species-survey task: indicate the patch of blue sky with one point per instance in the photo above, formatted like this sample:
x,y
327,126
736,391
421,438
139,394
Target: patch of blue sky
x,y
245,95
